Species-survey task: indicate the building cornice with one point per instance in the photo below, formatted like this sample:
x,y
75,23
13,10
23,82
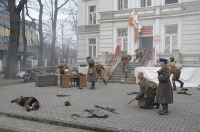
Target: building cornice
x,y
165,11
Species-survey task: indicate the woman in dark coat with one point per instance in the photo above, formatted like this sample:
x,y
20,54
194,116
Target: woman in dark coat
x,y
164,94
91,75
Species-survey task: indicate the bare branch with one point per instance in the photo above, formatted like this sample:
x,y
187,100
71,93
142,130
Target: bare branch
x,y
63,4
29,15
4,4
75,3
4,26
21,5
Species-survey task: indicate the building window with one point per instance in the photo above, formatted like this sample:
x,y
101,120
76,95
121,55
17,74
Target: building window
x,y
146,3
122,38
92,14
92,47
122,4
171,37
171,1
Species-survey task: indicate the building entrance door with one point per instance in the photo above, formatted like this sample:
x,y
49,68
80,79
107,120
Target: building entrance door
x,y
147,43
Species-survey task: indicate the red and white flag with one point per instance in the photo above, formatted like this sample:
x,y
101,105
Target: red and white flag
x,y
117,49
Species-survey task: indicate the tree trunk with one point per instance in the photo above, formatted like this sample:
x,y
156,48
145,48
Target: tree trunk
x,y
24,39
41,39
14,11
54,21
11,65
53,61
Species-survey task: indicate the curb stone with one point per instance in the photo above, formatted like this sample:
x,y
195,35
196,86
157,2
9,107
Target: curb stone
x,y
67,123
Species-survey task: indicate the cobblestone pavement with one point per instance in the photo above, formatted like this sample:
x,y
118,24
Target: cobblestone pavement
x,y
184,115
5,82
19,125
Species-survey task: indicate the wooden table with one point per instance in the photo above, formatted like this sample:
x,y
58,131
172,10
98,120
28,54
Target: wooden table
x,y
65,79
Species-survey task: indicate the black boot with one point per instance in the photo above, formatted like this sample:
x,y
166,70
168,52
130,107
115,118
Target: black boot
x,y
93,85
105,81
180,83
167,108
174,86
164,110
125,74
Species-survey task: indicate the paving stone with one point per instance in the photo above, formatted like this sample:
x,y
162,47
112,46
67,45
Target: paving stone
x,y
18,125
184,113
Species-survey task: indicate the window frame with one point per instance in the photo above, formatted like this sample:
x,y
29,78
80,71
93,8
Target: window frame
x,y
122,7
122,38
94,15
146,4
171,3
171,35
92,45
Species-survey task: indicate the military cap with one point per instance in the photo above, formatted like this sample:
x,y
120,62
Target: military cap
x,y
88,57
163,59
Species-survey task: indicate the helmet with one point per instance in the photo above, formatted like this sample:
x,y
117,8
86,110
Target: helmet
x,y
67,103
140,75
172,58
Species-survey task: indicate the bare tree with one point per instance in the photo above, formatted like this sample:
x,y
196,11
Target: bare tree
x,y
14,12
41,38
55,9
24,39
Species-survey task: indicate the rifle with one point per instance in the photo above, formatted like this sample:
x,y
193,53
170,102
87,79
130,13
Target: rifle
x,y
62,95
131,101
106,108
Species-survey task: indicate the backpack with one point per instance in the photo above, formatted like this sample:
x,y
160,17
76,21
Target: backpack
x,y
178,66
152,85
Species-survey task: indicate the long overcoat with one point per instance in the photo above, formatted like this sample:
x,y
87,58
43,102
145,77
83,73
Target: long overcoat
x,y
164,92
91,77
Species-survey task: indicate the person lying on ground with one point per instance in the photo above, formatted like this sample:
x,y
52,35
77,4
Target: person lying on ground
x,y
30,103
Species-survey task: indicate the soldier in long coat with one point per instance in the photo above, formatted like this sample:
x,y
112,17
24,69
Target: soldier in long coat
x,y
164,95
91,75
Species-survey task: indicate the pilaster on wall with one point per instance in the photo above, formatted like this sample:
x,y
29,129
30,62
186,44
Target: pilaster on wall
x,y
176,54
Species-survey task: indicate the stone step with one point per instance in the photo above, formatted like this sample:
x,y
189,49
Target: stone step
x,y
120,66
122,82
117,76
131,64
128,68
123,79
120,73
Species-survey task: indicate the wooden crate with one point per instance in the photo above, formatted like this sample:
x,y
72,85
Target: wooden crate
x,y
46,80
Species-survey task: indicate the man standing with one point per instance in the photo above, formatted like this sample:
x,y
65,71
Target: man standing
x,y
100,71
164,95
176,71
125,58
138,55
30,103
91,75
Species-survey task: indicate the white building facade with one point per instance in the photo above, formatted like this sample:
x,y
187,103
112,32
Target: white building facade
x,y
167,25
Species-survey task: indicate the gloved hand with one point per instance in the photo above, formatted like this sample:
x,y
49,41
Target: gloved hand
x,y
145,96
